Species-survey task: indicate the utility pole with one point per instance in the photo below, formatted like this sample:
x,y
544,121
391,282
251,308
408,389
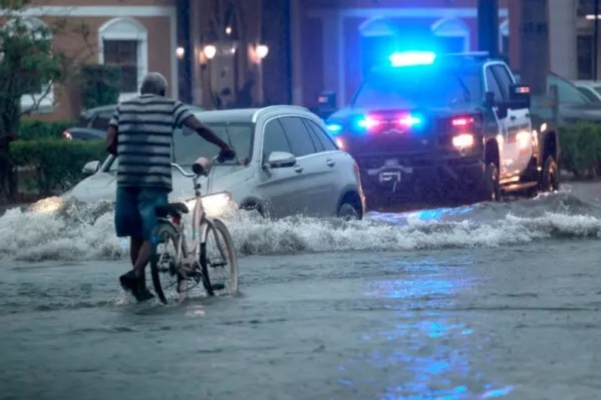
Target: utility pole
x,y
534,45
488,26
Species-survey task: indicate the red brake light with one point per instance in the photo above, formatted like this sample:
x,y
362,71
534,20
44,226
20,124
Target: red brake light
x,y
463,121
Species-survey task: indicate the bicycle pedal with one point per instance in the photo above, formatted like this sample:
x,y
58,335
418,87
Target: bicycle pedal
x,y
218,286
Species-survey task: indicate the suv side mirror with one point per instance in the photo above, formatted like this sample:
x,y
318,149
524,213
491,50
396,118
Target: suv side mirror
x,y
280,159
519,96
91,168
326,104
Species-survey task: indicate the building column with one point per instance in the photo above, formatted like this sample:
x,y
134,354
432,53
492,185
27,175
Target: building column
x,y
296,52
195,49
563,36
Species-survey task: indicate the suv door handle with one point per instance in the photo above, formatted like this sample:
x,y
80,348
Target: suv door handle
x,y
298,169
330,162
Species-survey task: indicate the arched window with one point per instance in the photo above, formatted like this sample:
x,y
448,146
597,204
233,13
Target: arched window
x,y
124,42
378,40
453,35
40,94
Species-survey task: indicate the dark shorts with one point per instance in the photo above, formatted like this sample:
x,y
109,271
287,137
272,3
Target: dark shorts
x,y
134,210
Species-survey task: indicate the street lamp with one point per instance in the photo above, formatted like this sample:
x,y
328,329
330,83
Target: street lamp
x,y
209,51
180,51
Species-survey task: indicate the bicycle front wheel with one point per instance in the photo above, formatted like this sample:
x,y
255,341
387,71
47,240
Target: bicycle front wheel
x,y
163,263
218,260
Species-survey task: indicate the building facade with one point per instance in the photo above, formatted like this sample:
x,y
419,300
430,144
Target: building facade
x,y
336,42
137,35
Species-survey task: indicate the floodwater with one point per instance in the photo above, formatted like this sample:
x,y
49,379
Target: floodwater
x,y
479,302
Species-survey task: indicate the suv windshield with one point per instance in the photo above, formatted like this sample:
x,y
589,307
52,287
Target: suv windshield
x,y
188,145
419,86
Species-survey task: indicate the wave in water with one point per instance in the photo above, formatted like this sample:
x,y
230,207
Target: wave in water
x,y
86,231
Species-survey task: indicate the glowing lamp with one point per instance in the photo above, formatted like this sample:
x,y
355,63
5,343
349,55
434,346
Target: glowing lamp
x,y
210,51
180,51
334,128
412,58
463,141
262,51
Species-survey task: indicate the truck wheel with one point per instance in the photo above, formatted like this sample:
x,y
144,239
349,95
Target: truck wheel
x,y
348,212
490,189
549,180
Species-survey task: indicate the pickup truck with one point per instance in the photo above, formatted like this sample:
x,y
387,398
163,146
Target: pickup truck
x,y
429,124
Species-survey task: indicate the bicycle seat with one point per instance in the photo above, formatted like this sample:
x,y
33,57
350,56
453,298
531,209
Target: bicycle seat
x,y
202,166
172,209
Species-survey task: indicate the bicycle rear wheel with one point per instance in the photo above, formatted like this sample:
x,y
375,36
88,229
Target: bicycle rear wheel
x,y
163,268
218,260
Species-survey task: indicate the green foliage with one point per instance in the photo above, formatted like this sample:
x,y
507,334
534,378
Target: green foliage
x,y
36,129
100,85
57,164
580,146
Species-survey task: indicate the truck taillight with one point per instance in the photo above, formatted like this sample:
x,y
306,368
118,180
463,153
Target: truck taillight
x,y
462,122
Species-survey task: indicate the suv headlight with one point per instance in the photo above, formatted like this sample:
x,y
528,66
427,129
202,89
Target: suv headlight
x,y
214,204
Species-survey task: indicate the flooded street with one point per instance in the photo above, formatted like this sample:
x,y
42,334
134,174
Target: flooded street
x,y
487,301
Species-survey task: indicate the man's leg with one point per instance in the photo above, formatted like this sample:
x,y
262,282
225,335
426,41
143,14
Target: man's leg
x,y
129,224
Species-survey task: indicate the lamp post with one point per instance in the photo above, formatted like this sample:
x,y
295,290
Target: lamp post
x,y
488,26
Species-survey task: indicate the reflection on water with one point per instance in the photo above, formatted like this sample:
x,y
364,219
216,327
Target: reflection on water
x,y
424,354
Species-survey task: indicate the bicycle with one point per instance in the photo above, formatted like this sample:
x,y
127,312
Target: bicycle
x,y
191,264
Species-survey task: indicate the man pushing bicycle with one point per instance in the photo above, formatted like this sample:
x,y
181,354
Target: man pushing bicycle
x,y
141,134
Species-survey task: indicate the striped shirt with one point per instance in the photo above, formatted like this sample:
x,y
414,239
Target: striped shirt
x,y
145,128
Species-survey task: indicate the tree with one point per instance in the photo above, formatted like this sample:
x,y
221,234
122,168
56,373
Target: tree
x,y
27,61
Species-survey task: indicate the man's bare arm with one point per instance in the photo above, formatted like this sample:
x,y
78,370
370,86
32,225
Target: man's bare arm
x,y
111,140
205,132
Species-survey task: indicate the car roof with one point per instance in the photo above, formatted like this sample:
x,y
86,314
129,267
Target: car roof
x,y
247,115
587,83
242,115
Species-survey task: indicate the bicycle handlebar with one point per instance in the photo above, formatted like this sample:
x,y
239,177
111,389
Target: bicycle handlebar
x,y
181,171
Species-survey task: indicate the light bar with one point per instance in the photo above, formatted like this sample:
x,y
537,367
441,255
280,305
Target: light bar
x,y
410,120
412,58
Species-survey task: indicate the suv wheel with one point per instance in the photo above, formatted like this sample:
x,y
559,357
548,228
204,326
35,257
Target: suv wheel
x,y
348,212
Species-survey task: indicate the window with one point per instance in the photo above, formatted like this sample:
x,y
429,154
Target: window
x,y
504,79
322,137
123,53
504,38
419,86
567,92
589,95
585,55
124,42
492,84
188,146
275,139
453,35
102,120
40,94
298,136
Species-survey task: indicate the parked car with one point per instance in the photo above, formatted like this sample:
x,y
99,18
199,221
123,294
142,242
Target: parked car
x,y
94,123
590,89
287,164
573,105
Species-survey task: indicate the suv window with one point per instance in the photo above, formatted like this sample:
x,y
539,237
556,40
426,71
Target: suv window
x,y
568,93
504,79
493,85
589,95
275,139
298,136
320,136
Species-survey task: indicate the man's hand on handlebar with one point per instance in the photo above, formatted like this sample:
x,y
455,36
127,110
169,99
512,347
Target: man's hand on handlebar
x,y
226,154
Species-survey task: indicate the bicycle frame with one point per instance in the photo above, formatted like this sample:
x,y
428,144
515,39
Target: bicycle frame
x,y
201,224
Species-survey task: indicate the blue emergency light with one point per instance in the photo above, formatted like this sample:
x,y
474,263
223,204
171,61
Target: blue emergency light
x,y
410,58
334,128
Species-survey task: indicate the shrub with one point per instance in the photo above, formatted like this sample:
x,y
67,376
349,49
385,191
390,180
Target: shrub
x,y
580,145
100,85
36,129
57,164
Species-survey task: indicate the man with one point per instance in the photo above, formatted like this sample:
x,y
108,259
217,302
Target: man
x,y
140,133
